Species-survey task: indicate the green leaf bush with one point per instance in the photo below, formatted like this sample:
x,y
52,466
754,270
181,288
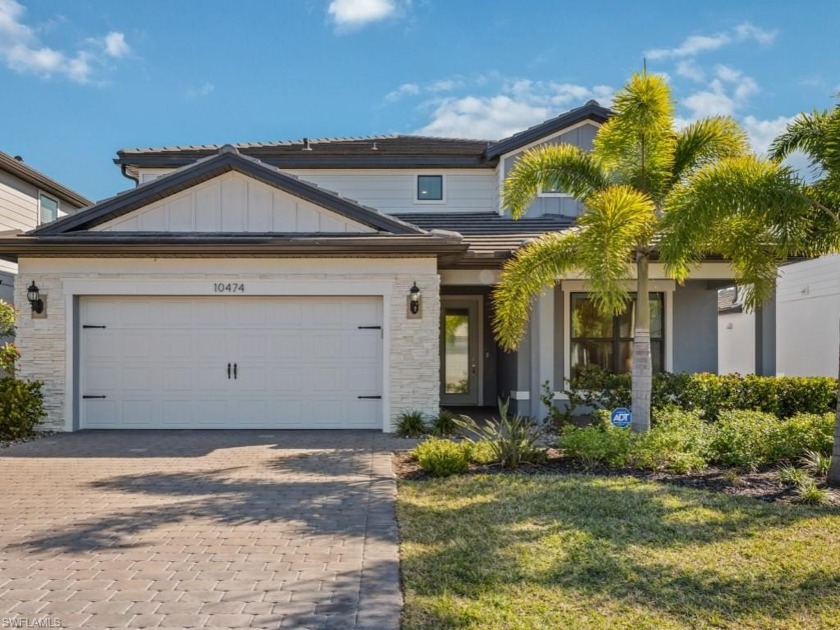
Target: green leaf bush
x,y
442,458
709,393
21,408
513,438
680,442
411,424
597,445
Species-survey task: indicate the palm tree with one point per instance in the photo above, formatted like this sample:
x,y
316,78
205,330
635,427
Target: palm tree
x,y
649,191
817,135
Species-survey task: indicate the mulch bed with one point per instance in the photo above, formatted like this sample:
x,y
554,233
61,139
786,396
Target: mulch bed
x,y
763,485
28,438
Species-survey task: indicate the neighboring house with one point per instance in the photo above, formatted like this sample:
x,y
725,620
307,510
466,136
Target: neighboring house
x,y
29,199
808,318
320,284
736,334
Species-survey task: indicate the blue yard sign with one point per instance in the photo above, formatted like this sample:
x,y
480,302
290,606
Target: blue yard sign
x,y
621,417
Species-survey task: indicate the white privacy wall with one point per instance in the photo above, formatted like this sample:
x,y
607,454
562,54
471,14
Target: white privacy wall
x,y
736,343
808,318
411,346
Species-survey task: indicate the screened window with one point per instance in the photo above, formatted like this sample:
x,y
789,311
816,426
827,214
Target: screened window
x,y
47,209
430,188
607,341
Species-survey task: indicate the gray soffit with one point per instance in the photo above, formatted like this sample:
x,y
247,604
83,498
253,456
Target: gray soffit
x,y
225,160
591,111
39,180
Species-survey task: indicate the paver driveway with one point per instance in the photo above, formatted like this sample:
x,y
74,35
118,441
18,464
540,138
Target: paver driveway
x,y
182,529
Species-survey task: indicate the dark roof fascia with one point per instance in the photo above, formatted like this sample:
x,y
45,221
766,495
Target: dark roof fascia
x,y
39,180
590,111
125,244
320,161
213,167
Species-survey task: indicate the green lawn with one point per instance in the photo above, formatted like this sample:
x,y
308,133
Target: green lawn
x,y
550,551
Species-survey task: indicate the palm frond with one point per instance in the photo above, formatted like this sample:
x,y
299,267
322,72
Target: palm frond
x,y
550,167
727,195
618,221
535,267
805,133
637,144
706,141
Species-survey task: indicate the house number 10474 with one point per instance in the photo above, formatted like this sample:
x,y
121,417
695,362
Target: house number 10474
x,y
228,287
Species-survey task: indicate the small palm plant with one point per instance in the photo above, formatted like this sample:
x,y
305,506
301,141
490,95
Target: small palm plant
x,y
512,439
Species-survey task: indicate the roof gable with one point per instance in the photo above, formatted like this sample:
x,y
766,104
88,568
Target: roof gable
x,y
226,160
591,111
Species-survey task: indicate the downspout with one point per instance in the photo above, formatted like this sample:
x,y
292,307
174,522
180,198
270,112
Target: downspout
x,y
136,180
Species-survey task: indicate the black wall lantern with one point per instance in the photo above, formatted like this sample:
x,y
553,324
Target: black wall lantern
x,y
34,297
414,299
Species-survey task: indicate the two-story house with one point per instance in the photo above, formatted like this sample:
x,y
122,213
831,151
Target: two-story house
x,y
28,199
319,284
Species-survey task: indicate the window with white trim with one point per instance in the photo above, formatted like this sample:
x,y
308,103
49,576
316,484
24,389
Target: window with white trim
x,y
430,188
607,341
47,209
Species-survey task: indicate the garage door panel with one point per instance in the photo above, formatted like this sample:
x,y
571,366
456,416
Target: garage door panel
x,y
162,362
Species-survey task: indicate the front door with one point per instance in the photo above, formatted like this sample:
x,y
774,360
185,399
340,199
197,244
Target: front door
x,y
459,363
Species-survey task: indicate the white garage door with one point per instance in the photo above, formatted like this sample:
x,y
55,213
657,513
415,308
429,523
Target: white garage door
x,y
231,362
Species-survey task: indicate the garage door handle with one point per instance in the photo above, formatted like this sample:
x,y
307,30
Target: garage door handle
x,y
94,397
235,368
370,397
228,371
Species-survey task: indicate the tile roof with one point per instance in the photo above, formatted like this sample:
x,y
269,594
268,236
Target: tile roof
x,y
488,233
728,300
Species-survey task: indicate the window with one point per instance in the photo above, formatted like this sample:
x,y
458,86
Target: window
x,y
47,209
547,191
430,188
607,341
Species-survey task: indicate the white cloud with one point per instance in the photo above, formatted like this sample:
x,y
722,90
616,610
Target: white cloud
x,y
693,45
21,50
116,46
519,103
205,89
354,14
689,69
406,89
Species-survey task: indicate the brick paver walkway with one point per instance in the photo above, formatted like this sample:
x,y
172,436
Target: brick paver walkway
x,y
212,529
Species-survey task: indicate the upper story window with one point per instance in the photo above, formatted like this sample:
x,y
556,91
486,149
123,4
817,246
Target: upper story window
x,y
552,192
47,209
430,188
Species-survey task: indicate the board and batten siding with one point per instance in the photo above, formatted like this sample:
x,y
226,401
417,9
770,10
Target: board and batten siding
x,y
581,136
394,191
233,203
808,318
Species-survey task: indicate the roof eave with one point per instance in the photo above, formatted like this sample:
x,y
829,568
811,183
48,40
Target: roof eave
x,y
39,180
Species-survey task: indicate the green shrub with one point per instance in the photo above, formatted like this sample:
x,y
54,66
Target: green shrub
x,y
745,439
442,457
443,423
803,432
21,407
596,445
513,438
411,424
816,463
809,493
791,476
709,393
680,442
482,452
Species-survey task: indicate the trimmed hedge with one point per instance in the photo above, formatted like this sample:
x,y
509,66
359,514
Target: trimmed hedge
x,y
711,394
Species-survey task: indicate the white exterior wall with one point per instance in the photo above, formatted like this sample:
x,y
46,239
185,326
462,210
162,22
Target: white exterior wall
x,y
808,318
395,190
410,346
736,343
249,206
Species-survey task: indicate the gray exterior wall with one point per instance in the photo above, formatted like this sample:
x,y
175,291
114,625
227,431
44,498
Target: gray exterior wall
x,y
695,328
765,338
581,136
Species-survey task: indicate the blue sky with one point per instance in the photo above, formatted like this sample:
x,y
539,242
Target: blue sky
x,y
81,79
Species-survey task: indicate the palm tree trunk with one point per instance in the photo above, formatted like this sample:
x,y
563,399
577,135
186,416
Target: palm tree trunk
x,y
834,471
642,376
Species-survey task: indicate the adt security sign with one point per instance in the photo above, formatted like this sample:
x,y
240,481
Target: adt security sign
x,y
621,417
